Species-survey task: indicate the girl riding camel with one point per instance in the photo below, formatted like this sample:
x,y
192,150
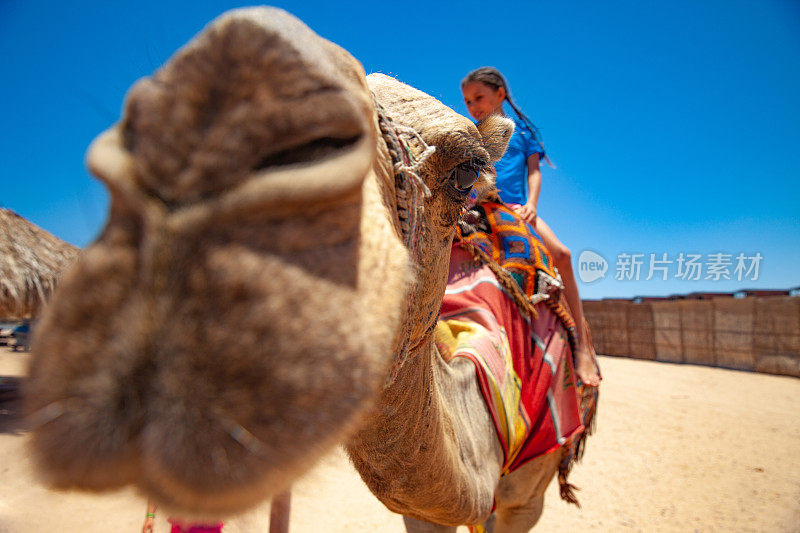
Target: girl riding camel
x,y
519,181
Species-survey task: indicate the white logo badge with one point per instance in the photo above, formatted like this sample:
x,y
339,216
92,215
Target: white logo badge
x,y
591,266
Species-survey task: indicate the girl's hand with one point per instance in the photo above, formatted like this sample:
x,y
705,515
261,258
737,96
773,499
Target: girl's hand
x,y
528,213
149,522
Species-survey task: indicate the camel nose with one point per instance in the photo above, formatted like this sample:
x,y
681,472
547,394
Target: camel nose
x,y
257,93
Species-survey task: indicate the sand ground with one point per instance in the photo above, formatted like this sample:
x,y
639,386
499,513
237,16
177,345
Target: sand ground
x,y
677,448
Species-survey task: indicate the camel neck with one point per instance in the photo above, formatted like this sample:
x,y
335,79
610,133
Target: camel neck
x,y
417,452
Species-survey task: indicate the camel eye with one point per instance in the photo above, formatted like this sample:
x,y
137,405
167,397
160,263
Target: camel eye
x,y
463,177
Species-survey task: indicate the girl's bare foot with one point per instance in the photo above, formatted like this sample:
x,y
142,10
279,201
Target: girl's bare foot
x,y
586,367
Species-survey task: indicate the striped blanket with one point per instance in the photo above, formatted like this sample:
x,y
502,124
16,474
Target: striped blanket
x,y
524,365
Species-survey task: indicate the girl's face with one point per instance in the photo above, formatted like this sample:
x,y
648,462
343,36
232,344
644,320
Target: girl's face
x,y
482,100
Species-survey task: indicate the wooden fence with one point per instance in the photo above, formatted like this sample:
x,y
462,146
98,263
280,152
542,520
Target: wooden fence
x,y
761,334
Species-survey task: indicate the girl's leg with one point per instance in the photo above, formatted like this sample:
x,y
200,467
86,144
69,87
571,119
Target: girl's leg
x,y
586,364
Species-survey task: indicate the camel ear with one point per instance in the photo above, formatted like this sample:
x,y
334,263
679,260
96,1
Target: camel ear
x,y
496,132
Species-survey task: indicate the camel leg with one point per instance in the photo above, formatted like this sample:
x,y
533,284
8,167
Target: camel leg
x,y
279,512
418,526
519,519
520,495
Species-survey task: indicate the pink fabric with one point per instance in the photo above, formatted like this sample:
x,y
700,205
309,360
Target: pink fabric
x,y
191,527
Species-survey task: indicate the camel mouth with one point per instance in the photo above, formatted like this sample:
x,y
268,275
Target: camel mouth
x,y
312,152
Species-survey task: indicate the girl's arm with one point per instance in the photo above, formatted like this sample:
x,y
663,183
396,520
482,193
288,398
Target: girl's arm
x,y
528,211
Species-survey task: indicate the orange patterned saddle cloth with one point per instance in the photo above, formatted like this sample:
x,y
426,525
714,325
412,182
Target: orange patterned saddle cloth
x,y
510,246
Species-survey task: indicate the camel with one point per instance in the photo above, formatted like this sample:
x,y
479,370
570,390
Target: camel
x,y
267,286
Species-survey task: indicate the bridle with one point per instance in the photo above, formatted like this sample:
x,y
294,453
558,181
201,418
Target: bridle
x,y
410,193
410,190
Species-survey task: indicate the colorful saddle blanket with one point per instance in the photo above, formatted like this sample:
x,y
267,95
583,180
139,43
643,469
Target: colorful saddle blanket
x,y
510,242
502,311
516,254
524,366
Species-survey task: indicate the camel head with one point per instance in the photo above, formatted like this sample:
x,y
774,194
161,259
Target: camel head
x,y
238,314
461,164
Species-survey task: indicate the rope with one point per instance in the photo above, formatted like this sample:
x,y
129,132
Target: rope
x,y
410,191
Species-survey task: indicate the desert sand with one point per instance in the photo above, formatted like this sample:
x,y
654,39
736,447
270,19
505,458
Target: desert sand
x,y
677,448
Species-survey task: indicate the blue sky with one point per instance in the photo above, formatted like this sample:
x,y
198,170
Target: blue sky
x,y
674,126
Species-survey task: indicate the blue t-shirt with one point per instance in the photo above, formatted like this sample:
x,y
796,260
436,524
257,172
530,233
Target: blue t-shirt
x,y
512,169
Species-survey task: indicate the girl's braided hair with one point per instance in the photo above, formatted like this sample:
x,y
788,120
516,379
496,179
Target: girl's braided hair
x,y
492,77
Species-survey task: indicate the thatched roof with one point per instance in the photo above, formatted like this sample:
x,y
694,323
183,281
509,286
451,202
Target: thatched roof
x,y
31,260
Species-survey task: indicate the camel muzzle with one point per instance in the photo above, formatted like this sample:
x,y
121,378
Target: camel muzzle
x,y
194,349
